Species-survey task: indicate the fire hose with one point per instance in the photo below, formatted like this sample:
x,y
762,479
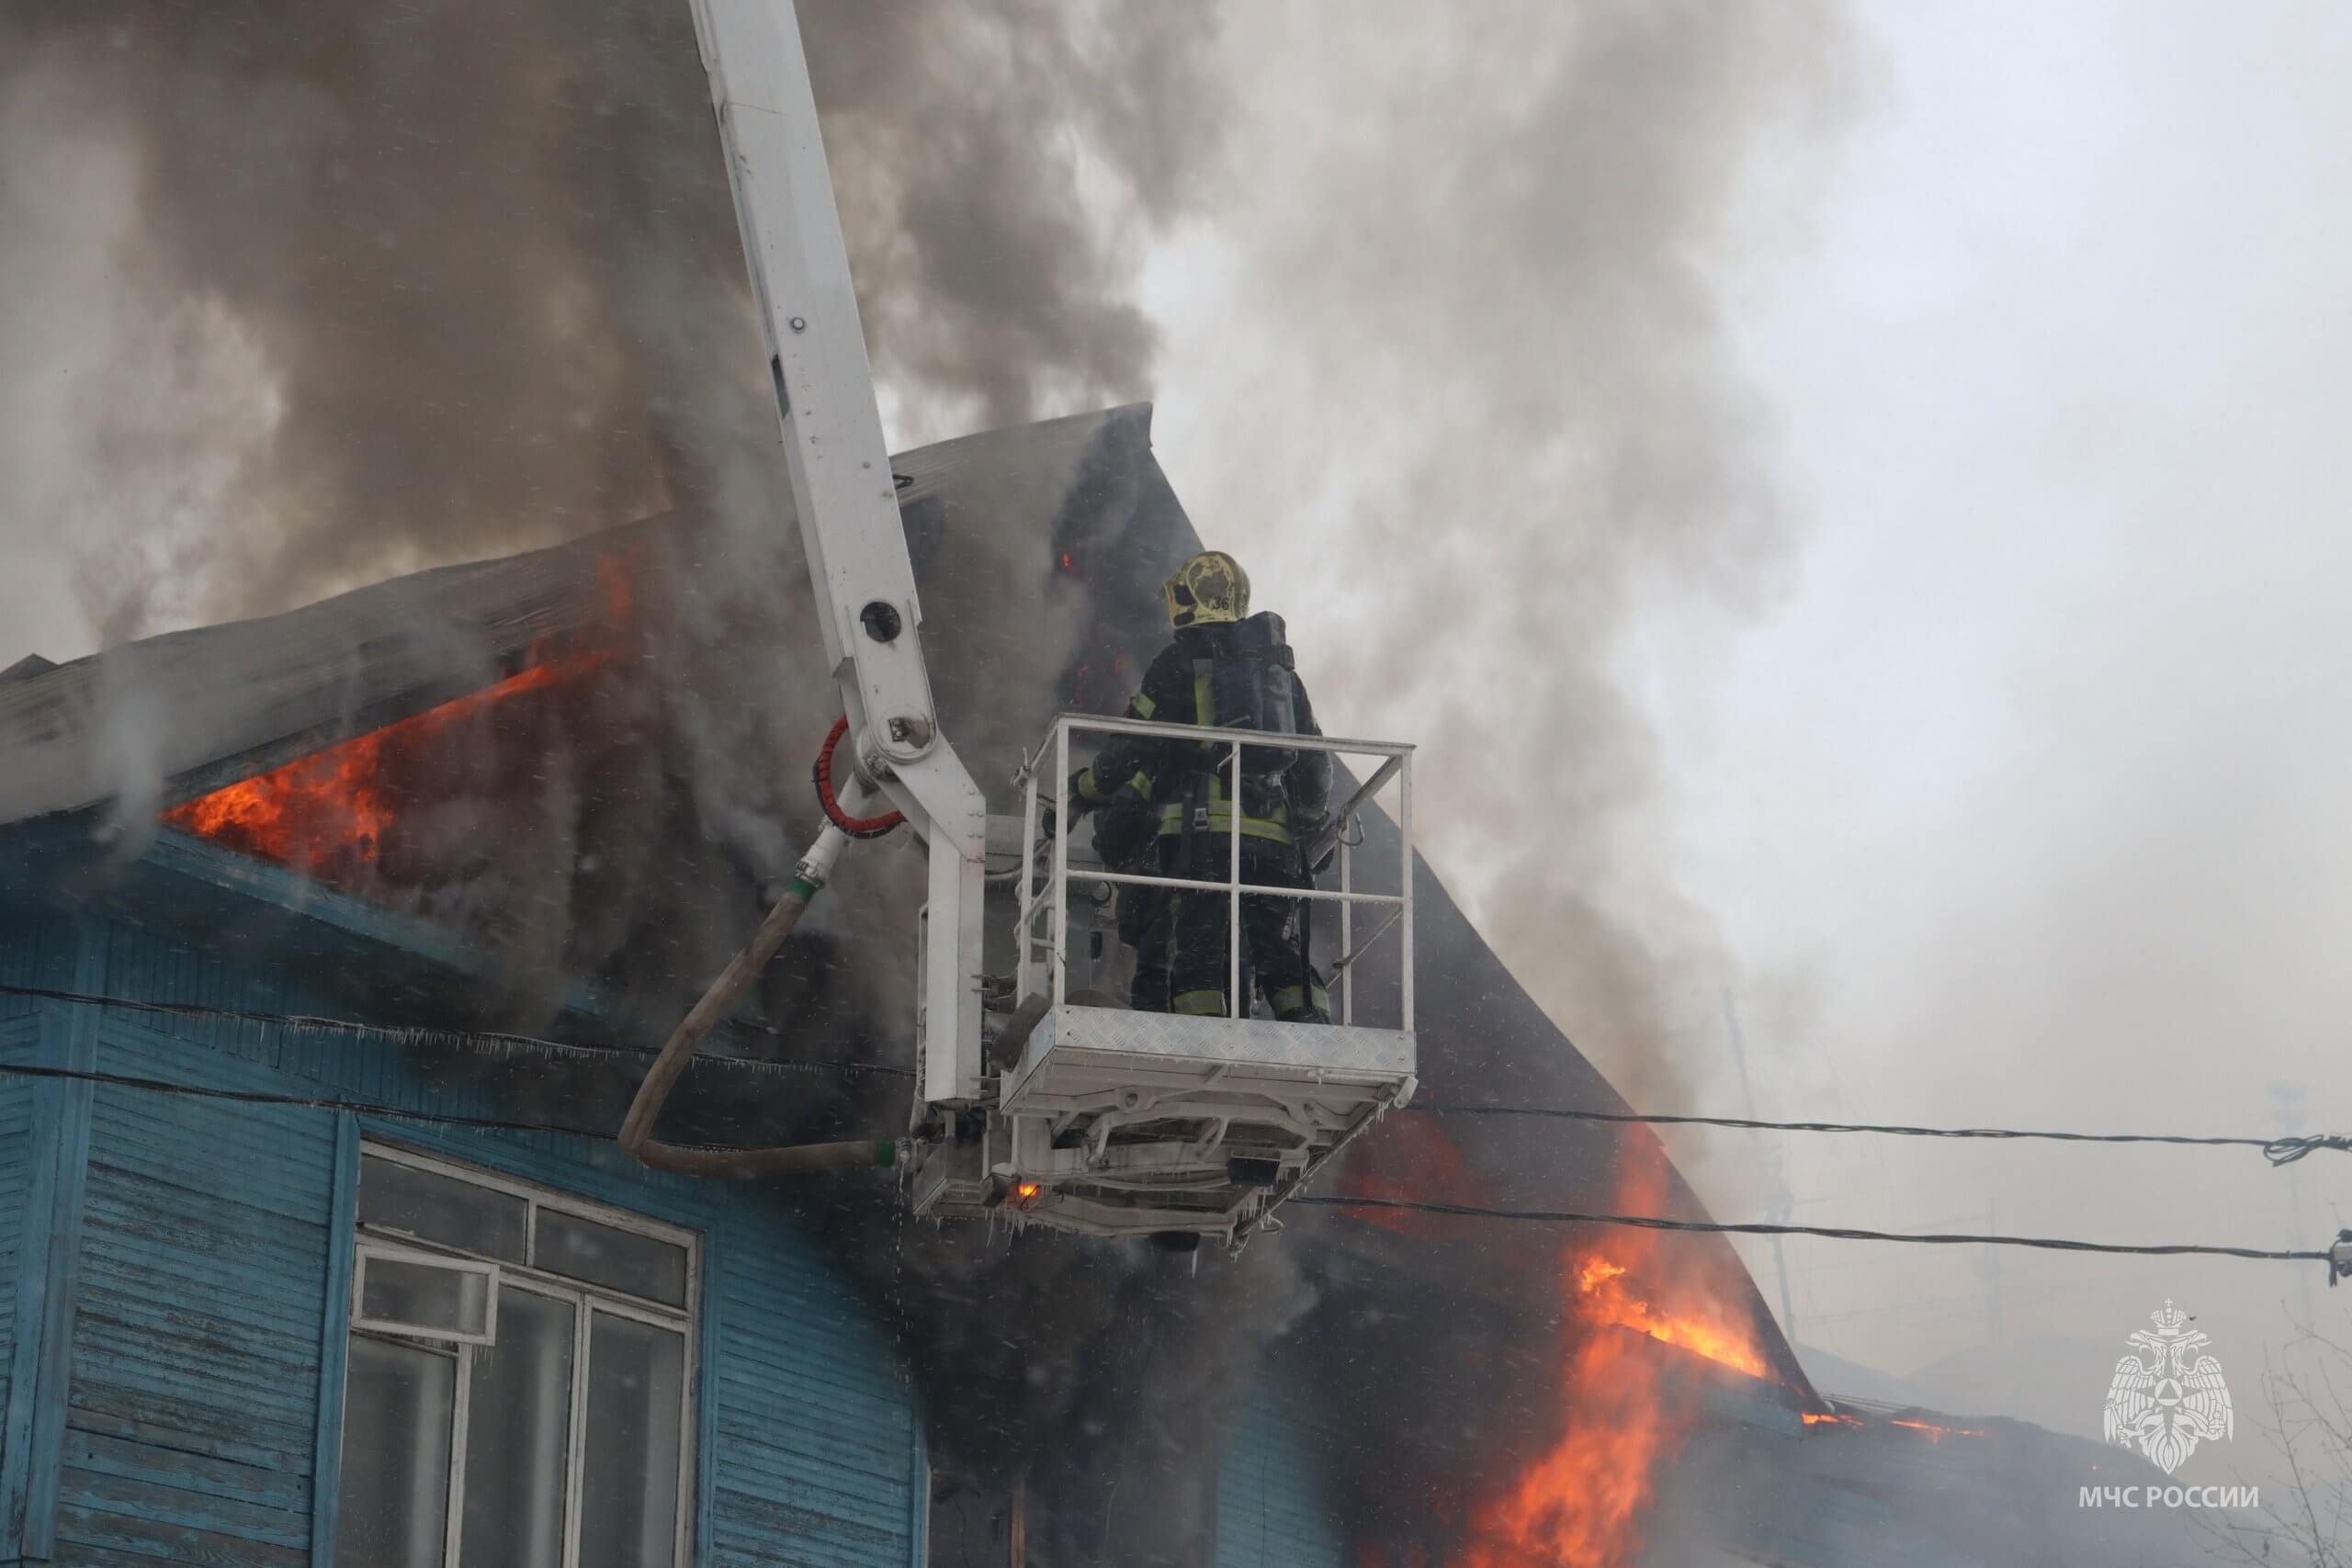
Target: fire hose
x,y
809,876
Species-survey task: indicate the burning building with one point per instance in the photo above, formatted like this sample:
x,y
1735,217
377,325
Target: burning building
x,y
330,947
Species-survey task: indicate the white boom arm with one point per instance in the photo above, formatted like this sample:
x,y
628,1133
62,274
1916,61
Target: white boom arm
x,y
846,498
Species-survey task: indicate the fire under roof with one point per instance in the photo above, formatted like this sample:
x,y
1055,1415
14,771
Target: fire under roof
x,y
145,725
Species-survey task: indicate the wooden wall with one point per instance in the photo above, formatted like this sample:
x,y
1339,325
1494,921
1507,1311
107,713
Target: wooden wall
x,y
202,1241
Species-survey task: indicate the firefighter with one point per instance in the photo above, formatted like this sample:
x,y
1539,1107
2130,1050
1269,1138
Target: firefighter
x,y
1229,669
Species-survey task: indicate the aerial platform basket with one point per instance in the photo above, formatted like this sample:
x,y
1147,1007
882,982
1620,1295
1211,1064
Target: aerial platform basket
x,y
1117,1121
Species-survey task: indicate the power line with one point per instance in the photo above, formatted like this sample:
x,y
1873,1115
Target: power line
x,y
1833,1233
268,1097
408,1034
1464,1211
2279,1151
314,1102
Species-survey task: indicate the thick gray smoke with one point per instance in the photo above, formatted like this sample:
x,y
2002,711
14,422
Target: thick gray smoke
x,y
1499,240
331,294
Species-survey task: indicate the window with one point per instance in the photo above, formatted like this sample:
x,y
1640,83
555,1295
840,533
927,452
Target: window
x,y
519,1387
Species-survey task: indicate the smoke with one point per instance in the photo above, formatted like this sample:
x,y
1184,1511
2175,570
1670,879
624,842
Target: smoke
x,y
964,138
1498,254
347,294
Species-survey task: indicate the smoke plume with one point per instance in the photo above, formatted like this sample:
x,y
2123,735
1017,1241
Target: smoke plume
x,y
331,295
1502,247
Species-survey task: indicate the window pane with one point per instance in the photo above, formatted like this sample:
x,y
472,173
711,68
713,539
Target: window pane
x,y
629,1494
395,1494
441,1208
453,1301
619,1260
518,1418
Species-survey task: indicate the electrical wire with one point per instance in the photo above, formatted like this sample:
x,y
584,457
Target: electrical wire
x,y
1461,1210
305,1102
2279,1151
1466,1211
320,1102
1833,1233
427,1035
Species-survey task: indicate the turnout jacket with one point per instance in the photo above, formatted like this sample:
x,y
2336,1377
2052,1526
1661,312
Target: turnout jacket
x,y
1183,779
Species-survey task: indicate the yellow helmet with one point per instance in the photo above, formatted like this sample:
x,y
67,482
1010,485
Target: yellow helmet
x,y
1209,588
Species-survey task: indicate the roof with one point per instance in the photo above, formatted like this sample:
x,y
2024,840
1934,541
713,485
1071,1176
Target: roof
x,y
1039,552
167,718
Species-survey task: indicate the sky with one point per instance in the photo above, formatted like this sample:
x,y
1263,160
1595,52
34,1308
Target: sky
x,y
1957,701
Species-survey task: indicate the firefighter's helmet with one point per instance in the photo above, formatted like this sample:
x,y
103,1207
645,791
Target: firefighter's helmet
x,y
1209,588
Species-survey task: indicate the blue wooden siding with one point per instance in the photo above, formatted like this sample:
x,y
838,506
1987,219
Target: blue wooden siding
x,y
343,1207
1271,1509
53,954
19,1042
25,959
206,1240
196,1349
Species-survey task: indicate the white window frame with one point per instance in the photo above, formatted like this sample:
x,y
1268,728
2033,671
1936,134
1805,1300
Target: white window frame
x,y
587,1300
366,1250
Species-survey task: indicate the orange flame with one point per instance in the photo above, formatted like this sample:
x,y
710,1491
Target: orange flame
x,y
1702,1331
328,812
1933,1432
1581,1505
333,807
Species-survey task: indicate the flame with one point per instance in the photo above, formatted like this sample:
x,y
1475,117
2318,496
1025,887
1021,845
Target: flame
x,y
1934,1433
327,814
1607,1300
1581,1504
324,811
